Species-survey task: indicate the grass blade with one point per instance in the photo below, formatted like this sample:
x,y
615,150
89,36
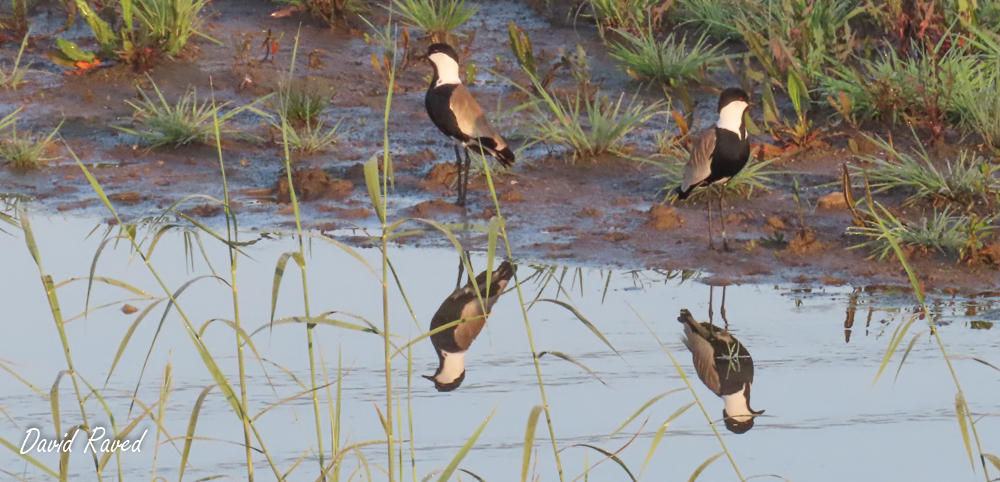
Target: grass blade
x,y
897,337
31,460
279,272
584,320
573,361
371,179
529,440
659,434
642,409
192,423
963,424
465,450
907,353
704,465
610,456
315,320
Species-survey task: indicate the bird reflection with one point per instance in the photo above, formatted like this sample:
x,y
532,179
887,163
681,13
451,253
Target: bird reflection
x,y
725,367
464,304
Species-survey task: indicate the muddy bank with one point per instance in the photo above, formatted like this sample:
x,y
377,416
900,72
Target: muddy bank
x,y
596,212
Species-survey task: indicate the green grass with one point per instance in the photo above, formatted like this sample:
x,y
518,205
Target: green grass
x,y
311,139
13,78
667,62
810,35
169,24
898,89
437,18
943,232
714,17
628,15
967,178
301,102
331,12
587,127
185,122
25,151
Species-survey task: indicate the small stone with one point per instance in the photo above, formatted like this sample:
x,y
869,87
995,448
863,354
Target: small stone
x,y
130,197
775,223
590,212
428,209
512,196
662,218
289,209
129,309
835,201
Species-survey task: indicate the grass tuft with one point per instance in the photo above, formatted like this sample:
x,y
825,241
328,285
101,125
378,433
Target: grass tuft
x,y
716,18
169,23
185,122
628,15
301,102
25,151
967,178
14,78
666,62
437,18
942,232
588,127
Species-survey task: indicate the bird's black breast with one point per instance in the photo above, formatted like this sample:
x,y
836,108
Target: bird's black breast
x,y
730,156
438,103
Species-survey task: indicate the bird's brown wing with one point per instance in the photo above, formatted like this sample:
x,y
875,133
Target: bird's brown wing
x,y
703,356
470,118
466,332
699,165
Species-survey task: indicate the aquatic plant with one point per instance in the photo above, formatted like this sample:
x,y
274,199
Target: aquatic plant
x,y
667,62
301,102
311,138
943,232
586,126
716,18
627,15
329,11
26,150
967,178
14,77
168,24
184,122
437,18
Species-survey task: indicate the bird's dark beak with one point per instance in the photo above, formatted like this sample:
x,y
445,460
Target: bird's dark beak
x,y
429,378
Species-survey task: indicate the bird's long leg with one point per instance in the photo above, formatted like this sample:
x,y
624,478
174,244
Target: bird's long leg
x,y
711,291
710,245
461,270
722,219
722,307
468,165
458,172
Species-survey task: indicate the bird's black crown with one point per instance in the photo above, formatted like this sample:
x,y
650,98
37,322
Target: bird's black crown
x,y
442,49
732,94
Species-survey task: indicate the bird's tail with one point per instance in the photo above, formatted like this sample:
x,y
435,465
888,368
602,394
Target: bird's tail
x,y
488,145
682,194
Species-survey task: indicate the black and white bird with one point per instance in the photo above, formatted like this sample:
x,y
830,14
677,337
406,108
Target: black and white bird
x,y
719,153
457,115
464,304
725,367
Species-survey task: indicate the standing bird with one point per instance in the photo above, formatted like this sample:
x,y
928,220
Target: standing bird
x,y
719,153
725,367
457,115
463,304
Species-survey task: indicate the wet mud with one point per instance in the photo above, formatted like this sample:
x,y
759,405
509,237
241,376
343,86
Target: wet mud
x,y
605,211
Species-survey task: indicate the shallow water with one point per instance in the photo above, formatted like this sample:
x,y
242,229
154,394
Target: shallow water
x,y
823,420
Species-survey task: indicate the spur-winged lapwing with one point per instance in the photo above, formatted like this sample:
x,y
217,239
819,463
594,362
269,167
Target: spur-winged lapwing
x,y
464,304
725,367
719,153
456,114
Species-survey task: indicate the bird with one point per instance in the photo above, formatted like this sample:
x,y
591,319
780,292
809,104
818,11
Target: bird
x,y
456,114
725,367
719,153
464,304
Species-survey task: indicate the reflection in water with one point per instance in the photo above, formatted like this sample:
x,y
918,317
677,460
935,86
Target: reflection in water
x,y
463,304
725,367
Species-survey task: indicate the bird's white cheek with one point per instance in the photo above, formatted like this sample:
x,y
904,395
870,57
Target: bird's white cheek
x,y
447,69
736,407
731,117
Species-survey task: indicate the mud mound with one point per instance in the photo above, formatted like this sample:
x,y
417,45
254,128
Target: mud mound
x,y
312,183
